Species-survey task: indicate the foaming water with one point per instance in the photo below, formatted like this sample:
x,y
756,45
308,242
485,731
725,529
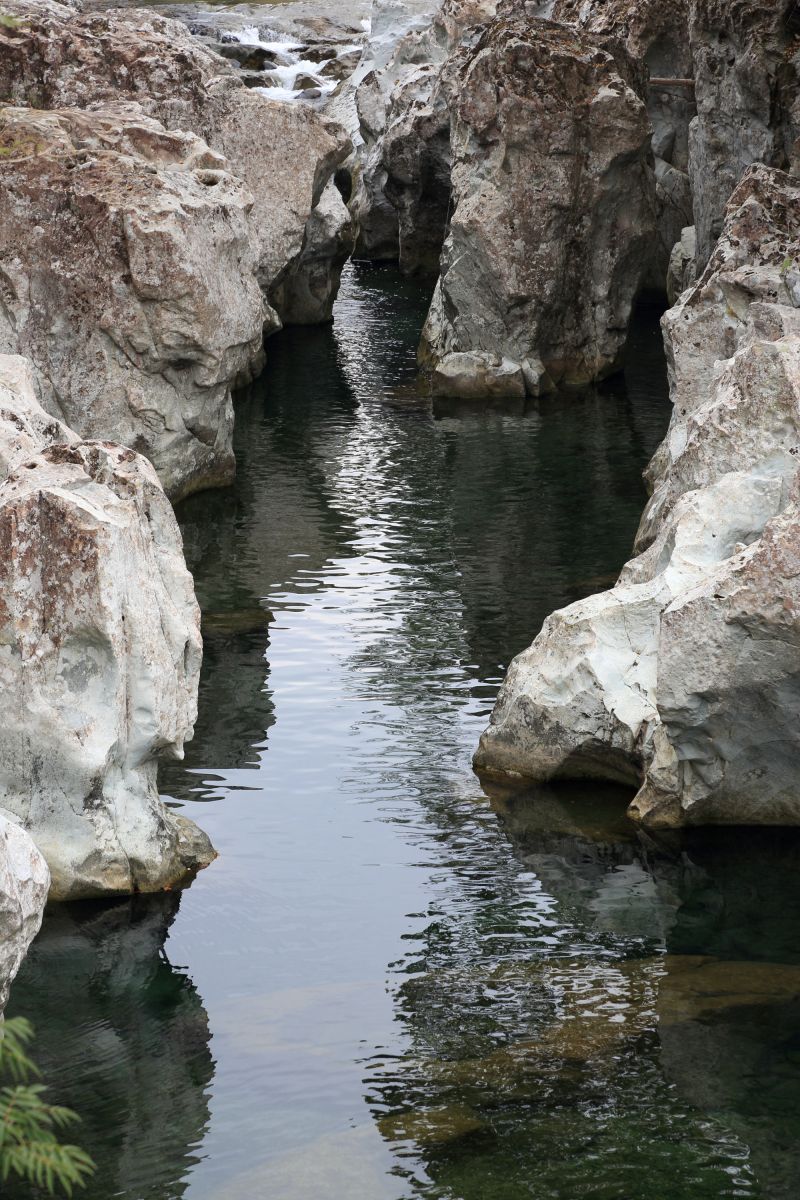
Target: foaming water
x,y
392,984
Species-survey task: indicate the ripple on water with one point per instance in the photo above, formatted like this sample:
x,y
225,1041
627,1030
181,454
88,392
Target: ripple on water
x,y
392,984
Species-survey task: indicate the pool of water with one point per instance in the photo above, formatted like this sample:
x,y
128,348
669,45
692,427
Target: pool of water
x,y
392,984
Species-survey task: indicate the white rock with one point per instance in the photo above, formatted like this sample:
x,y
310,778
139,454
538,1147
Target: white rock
x,y
24,881
684,676
99,655
129,278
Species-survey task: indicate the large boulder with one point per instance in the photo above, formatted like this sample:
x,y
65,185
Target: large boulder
x,y
24,882
552,213
54,56
99,654
747,79
128,277
684,677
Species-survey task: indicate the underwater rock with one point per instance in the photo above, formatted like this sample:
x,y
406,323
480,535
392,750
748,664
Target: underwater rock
x,y
683,677
24,881
553,212
129,281
99,655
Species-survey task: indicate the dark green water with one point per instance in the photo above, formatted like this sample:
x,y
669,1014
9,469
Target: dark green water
x,y
392,985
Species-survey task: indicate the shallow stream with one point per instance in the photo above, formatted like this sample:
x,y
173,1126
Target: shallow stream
x,y
391,984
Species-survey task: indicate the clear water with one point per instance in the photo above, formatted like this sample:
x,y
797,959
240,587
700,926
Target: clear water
x,y
392,984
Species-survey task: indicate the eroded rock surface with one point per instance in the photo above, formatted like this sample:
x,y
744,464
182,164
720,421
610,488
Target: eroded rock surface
x,y
747,77
684,677
128,277
552,212
24,882
654,34
99,654
57,57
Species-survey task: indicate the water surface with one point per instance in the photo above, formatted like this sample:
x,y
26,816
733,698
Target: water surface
x,y
391,984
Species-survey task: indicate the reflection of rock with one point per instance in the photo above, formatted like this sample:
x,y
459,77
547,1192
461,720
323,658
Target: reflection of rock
x,y
122,1039
24,881
587,855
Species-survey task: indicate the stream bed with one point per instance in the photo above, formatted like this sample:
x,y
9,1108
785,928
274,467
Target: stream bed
x,y
392,984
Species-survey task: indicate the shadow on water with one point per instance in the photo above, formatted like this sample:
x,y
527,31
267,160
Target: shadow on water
x,y
123,1038
416,989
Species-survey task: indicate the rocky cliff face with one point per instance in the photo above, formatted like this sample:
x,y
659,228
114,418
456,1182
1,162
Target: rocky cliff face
x,y
653,32
683,678
24,881
128,277
58,57
99,654
552,213
747,74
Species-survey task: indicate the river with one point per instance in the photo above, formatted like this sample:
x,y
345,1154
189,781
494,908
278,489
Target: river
x,y
392,984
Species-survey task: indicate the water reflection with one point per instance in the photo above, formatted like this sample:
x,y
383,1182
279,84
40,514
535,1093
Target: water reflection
x,y
416,989
656,1030
123,1038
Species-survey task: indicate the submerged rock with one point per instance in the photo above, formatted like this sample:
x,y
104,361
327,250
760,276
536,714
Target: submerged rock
x,y
24,881
129,280
552,213
99,655
684,676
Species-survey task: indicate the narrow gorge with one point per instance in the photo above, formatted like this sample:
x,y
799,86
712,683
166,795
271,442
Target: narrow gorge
x,y
399,423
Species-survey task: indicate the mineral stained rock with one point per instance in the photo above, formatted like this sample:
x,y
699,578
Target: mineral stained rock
x,y
24,880
128,277
552,212
99,654
683,678
654,34
57,57
746,57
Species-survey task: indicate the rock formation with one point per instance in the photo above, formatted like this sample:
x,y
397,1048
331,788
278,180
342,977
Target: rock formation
x,y
58,57
306,293
654,34
128,277
747,78
683,678
24,880
552,213
99,654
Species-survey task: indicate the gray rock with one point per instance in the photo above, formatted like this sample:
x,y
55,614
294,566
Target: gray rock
x,y
99,654
553,206
307,292
130,281
747,78
683,678
24,882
